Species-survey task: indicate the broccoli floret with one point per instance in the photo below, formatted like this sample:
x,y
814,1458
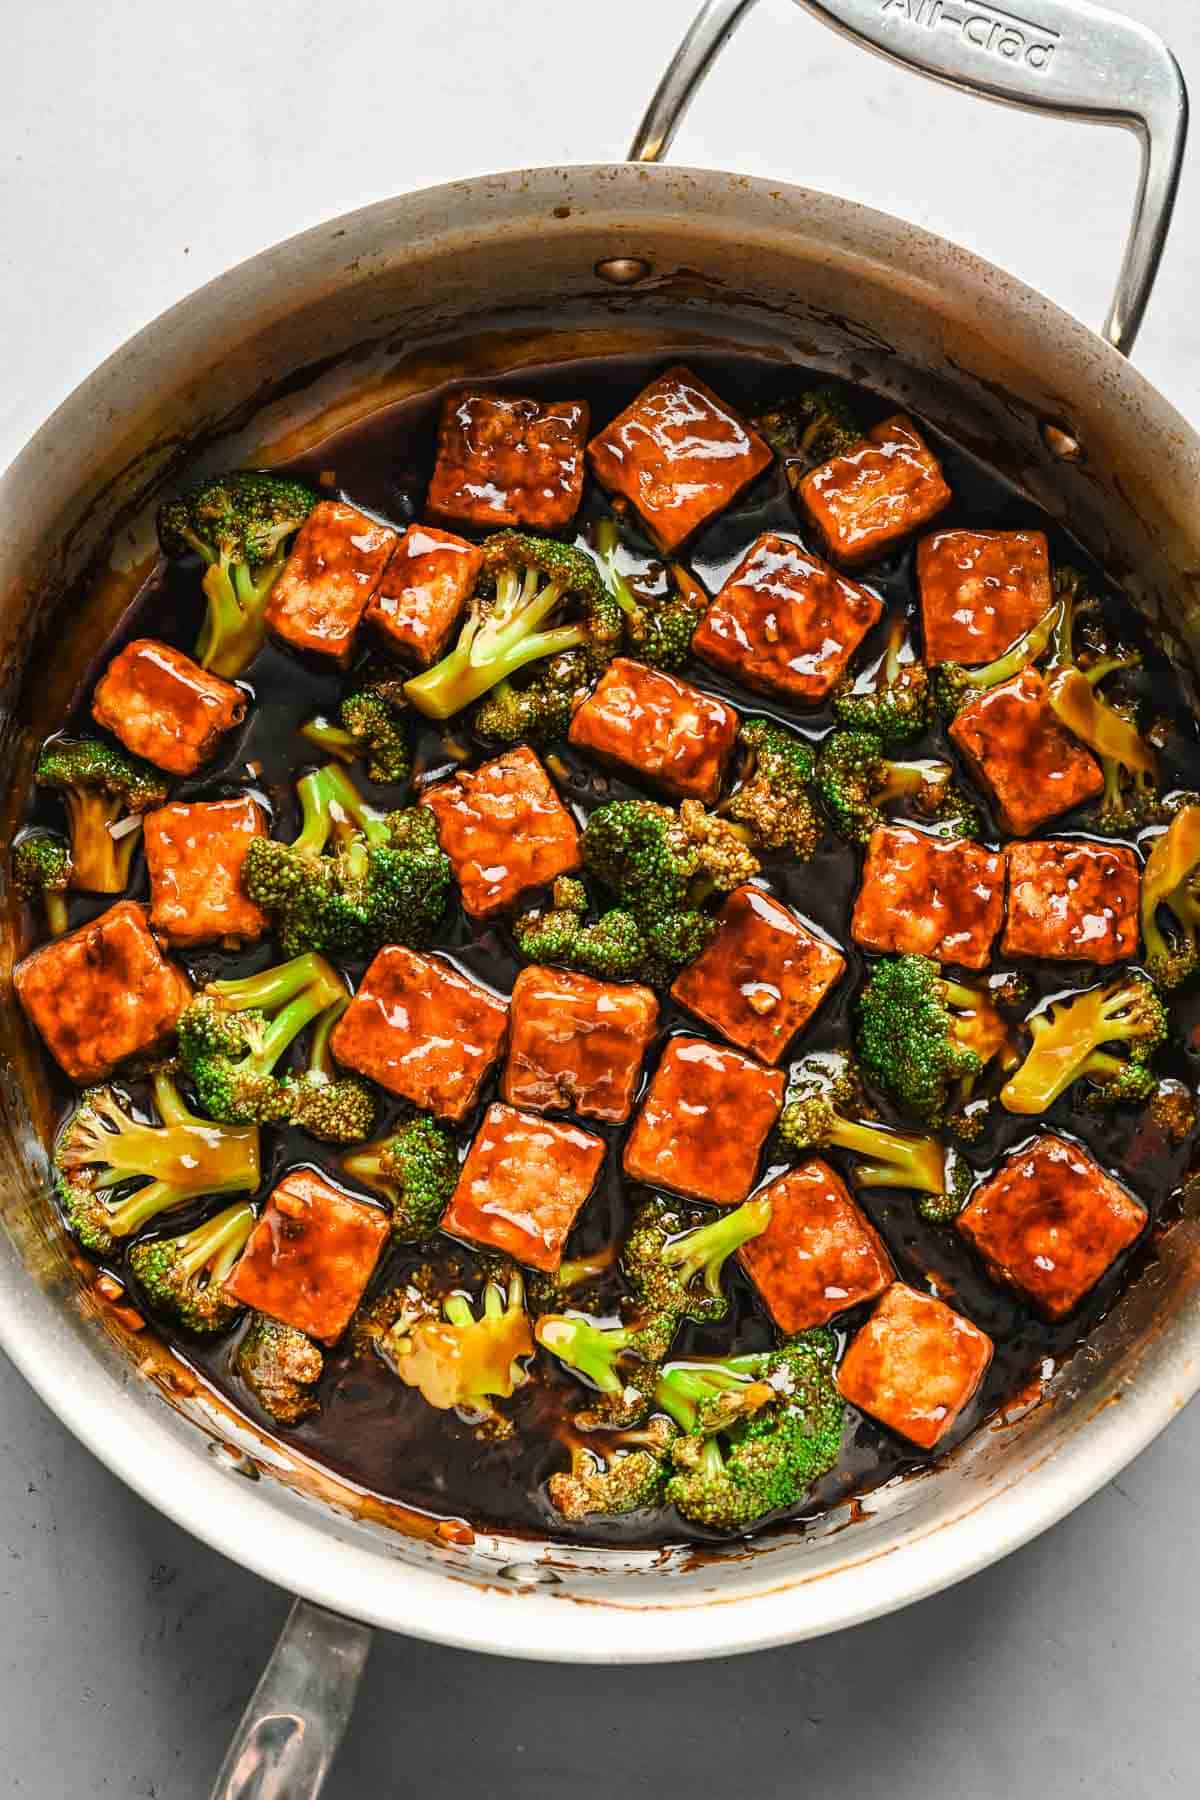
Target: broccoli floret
x,y
182,1277
953,685
773,801
612,947
674,1260
658,628
103,1148
330,1105
1171,879
620,1362
923,1038
239,525
1173,1109
385,881
628,1471
41,869
526,584
456,1357
806,431
857,780
415,1169
1071,1040
281,1367
372,727
895,705
539,710
657,862
105,792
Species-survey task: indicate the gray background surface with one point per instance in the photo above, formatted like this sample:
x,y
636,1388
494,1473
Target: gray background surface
x,y
143,148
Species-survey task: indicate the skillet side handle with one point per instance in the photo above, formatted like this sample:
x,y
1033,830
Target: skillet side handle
x,y
1061,56
296,1718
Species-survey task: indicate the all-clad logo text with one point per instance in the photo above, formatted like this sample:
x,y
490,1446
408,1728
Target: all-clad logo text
x,y
987,28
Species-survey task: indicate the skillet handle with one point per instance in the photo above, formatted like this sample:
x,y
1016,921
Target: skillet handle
x,y
1062,56
289,1734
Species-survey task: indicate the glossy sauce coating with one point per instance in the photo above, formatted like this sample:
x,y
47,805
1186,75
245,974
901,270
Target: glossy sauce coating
x,y
659,728
980,590
423,592
922,897
335,565
682,1138
165,707
194,856
914,1365
866,500
1032,766
310,1256
820,1254
1073,901
505,831
508,461
522,1185
576,1044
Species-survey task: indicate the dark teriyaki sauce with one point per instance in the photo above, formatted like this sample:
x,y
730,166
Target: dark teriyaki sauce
x,y
373,1430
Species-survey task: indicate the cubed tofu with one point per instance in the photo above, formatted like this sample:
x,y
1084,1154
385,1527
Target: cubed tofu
x,y
659,729
102,993
679,455
1049,1223
507,461
785,622
311,1255
522,1185
1033,767
194,853
165,707
873,495
980,590
505,831
704,1121
914,1365
577,1045
422,1031
421,596
762,977
820,1255
336,564
1072,901
922,897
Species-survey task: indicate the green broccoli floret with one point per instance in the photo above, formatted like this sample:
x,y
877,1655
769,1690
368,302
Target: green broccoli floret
x,y
539,709
103,1148
1130,795
1071,1039
415,1169
625,1472
924,1038
239,525
1173,1109
455,1356
659,627
657,862
857,780
619,1362
182,1277
41,869
806,431
953,684
895,705
386,880
612,947
773,800
105,792
674,1259
527,583
322,1100
281,1367
372,727
1171,880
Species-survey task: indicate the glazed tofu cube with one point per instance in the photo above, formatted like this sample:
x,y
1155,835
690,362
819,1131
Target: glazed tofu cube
x,y
522,1185
922,897
869,498
420,599
1073,902
505,461
505,831
102,993
194,853
1032,766
659,729
914,1365
704,1121
762,977
980,590
1049,1223
820,1255
165,707
785,623
679,455
422,1031
336,564
311,1255
576,1045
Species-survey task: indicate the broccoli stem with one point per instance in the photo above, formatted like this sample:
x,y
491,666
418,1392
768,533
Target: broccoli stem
x,y
487,656
333,739
892,1158
101,861
320,1058
607,544
218,1243
902,779
331,806
707,1249
234,628
57,916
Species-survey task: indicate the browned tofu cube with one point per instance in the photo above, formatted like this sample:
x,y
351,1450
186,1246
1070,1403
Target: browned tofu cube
x,y
102,993
678,454
165,707
869,498
785,623
505,461
914,1365
1073,902
762,977
820,1254
336,564
310,1256
194,853
505,831
704,1121
1049,1223
922,897
522,1185
421,596
980,590
1032,766
659,728
577,1044
422,1031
